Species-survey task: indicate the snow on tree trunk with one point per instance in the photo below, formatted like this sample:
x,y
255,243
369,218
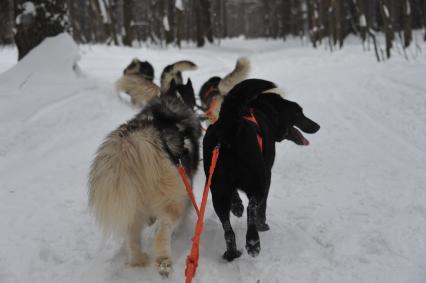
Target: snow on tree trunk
x,y
407,20
387,25
128,36
36,20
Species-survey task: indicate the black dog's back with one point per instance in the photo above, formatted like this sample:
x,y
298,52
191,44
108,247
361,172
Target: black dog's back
x,y
228,131
243,162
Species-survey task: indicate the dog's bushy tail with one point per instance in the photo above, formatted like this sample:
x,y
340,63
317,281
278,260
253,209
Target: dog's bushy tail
x,y
236,102
171,71
116,176
240,72
139,89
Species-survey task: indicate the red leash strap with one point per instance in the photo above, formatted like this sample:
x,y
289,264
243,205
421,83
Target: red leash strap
x,y
192,259
252,119
184,177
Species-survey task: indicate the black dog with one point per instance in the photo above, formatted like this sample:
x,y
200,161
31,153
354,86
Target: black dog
x,y
250,122
208,91
142,68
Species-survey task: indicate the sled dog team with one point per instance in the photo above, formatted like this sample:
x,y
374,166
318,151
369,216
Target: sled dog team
x,y
134,181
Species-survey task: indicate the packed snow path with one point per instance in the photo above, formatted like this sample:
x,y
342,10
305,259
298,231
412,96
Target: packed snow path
x,y
351,207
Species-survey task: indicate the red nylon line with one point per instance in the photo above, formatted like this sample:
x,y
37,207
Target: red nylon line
x,y
209,112
184,177
252,119
192,259
260,142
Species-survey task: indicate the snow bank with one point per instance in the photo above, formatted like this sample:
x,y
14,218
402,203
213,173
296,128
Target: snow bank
x,y
54,58
48,74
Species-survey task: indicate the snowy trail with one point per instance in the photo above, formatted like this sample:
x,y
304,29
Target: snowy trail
x,y
351,207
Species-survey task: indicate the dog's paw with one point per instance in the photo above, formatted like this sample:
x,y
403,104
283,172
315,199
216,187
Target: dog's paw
x,y
138,261
261,226
253,247
231,255
164,266
237,209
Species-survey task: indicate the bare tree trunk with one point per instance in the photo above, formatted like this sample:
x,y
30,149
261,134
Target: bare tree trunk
x,y
205,11
6,22
224,20
313,21
202,18
128,9
110,25
340,21
199,22
408,36
179,26
424,19
170,18
385,6
95,20
363,19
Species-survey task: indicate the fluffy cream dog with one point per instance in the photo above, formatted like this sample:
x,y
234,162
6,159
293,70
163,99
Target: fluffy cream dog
x,y
134,179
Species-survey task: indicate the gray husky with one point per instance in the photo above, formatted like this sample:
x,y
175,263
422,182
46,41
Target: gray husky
x,y
134,179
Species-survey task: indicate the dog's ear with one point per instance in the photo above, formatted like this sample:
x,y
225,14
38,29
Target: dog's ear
x,y
281,125
146,69
189,83
188,94
173,85
272,105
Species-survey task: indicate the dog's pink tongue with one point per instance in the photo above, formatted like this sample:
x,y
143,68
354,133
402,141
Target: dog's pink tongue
x,y
302,138
305,141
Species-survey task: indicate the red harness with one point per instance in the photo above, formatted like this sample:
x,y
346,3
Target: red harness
x,y
209,91
209,113
252,118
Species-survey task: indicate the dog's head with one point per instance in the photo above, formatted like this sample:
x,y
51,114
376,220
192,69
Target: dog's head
x,y
185,92
209,89
287,118
143,68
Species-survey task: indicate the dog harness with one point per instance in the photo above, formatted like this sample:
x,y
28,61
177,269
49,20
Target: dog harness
x,y
252,118
209,113
209,91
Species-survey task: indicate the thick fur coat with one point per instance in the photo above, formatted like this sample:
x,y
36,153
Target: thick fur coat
x,y
140,90
244,162
174,72
134,179
137,80
214,89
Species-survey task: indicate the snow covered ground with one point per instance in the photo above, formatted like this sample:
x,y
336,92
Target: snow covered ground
x,y
351,207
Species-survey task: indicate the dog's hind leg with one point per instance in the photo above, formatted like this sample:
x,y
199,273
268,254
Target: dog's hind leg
x,y
222,206
167,221
237,207
252,236
261,212
136,257
231,252
162,247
